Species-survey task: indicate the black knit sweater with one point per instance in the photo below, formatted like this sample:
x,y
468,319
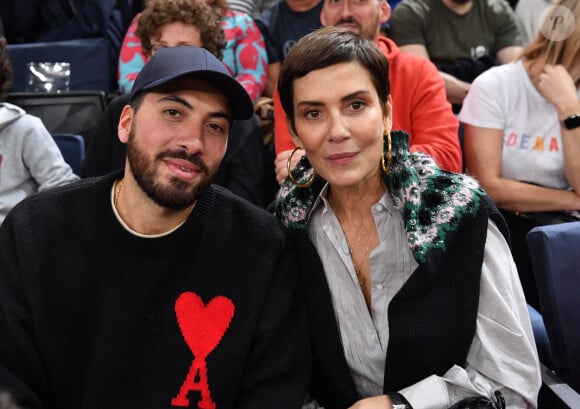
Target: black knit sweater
x,y
92,316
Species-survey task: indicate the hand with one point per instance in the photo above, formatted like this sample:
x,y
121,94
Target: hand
x,y
376,402
557,86
264,108
281,164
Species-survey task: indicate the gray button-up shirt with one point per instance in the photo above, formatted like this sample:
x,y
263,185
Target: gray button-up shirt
x,y
503,354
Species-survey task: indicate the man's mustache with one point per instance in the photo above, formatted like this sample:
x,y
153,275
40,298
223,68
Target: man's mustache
x,y
349,21
193,158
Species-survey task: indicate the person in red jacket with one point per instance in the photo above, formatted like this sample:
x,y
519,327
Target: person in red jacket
x,y
418,93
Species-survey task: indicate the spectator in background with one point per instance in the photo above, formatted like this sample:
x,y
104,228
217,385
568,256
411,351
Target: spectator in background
x,y
283,25
462,37
528,14
416,87
410,288
244,54
30,160
169,24
522,134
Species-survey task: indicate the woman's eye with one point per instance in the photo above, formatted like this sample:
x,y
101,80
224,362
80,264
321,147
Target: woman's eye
x,y
312,114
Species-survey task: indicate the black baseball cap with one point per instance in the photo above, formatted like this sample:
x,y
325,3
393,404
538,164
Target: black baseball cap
x,y
171,63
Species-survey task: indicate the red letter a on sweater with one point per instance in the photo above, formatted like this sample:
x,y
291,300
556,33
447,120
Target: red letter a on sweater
x,y
202,328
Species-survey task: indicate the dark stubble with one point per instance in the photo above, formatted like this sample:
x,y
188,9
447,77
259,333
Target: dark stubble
x,y
177,194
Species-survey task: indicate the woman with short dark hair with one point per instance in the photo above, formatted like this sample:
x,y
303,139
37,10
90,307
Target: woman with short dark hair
x,y
414,298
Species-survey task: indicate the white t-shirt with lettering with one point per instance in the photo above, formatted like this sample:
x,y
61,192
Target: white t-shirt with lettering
x,y
503,97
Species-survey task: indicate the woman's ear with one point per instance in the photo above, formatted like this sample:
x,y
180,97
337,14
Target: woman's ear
x,y
388,115
125,123
290,128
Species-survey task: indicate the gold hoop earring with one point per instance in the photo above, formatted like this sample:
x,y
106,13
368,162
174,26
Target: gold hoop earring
x,y
289,168
389,153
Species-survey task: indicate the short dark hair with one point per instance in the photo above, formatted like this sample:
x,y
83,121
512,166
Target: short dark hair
x,y
5,69
193,12
329,46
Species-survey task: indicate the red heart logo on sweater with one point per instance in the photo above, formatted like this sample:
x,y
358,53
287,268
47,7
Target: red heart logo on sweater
x,y
203,326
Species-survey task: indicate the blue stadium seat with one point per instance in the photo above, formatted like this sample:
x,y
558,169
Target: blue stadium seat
x,y
554,250
72,147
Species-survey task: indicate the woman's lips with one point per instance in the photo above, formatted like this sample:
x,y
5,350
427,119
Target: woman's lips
x,y
342,158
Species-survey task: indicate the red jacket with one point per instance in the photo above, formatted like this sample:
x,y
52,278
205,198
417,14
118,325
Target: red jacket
x,y
420,108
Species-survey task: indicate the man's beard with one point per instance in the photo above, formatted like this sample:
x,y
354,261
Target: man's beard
x,y
177,194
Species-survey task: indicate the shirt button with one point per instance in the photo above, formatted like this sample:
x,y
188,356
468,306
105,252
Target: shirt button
x,y
379,287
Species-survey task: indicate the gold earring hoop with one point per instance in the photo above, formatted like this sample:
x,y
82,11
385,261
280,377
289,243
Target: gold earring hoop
x,y
387,165
289,167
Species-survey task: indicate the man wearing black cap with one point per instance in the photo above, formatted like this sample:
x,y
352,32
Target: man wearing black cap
x,y
152,288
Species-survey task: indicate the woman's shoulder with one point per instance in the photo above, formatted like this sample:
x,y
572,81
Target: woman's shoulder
x,y
510,73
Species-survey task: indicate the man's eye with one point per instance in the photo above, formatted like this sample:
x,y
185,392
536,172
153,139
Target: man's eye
x,y
173,113
357,105
217,128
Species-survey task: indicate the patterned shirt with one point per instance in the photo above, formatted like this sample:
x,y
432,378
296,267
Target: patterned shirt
x,y
244,55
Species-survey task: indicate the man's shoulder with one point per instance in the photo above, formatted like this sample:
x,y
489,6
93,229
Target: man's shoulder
x,y
418,8
54,206
71,193
242,209
245,222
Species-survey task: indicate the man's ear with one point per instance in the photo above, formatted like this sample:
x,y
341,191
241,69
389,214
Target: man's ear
x,y
125,122
384,12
